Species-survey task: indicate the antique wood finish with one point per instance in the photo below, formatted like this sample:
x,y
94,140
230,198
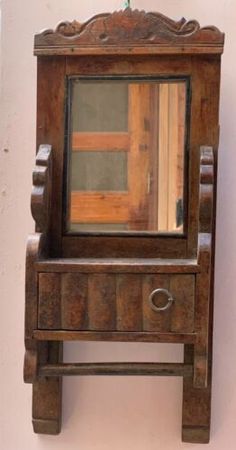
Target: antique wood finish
x,y
97,286
197,396
120,336
129,32
114,302
156,369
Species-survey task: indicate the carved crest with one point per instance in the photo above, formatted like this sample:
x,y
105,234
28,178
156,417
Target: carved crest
x,y
127,29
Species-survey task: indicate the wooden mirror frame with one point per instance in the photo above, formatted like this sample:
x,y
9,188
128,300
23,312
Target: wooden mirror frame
x,y
123,43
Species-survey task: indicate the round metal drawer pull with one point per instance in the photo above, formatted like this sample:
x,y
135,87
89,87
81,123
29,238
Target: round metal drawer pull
x,y
160,291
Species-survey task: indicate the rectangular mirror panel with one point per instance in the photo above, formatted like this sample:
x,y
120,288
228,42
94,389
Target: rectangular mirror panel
x,y
127,156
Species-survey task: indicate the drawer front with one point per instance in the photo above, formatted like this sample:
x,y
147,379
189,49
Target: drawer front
x,y
116,302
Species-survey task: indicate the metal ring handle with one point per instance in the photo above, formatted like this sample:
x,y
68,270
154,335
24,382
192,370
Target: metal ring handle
x,y
160,291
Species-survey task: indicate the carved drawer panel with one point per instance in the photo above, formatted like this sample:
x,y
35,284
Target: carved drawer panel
x,y
116,302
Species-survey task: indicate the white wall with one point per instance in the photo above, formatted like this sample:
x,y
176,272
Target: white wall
x,y
104,413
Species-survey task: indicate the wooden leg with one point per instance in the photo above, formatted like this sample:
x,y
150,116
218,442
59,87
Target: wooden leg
x,y
47,395
196,407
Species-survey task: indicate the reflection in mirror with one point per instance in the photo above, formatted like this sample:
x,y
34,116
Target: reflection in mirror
x,y
126,156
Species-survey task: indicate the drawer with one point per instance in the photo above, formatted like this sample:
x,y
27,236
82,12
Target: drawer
x,y
116,302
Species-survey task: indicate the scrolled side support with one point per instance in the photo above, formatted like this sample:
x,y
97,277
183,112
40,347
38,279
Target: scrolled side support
x,y
197,391
41,192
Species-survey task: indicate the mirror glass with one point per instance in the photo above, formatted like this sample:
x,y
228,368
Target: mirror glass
x,y
126,155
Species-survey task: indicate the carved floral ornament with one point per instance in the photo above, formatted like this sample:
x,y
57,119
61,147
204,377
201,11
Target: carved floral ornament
x,y
129,28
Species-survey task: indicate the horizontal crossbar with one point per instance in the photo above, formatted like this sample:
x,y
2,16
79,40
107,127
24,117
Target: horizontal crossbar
x,y
153,369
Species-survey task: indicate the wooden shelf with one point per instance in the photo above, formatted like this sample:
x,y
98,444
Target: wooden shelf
x,y
127,336
124,265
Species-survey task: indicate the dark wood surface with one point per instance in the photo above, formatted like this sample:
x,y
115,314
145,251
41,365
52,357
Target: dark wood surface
x,y
96,287
118,265
144,369
42,186
119,336
115,302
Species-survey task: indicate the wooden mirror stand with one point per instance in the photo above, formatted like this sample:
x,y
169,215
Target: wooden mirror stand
x,y
124,194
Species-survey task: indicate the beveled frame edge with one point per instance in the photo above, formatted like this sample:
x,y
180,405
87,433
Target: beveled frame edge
x,y
129,32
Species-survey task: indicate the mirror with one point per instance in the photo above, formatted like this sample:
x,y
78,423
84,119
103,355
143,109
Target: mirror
x,y
126,155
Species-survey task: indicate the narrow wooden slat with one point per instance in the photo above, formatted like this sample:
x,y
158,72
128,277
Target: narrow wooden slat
x,y
74,301
129,302
102,302
163,157
182,311
49,315
135,265
154,320
155,369
139,157
58,335
82,141
93,207
173,148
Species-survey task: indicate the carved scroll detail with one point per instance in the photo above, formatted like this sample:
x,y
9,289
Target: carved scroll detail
x,y
206,189
203,279
129,27
41,192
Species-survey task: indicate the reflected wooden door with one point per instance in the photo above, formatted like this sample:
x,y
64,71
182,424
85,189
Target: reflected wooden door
x,y
115,179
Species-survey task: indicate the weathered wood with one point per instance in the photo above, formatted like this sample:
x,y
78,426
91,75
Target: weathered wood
x,y
74,290
206,201
49,301
36,248
153,369
42,184
92,207
95,286
153,320
128,300
100,141
59,335
102,302
47,395
129,31
126,265
129,245
114,302
196,407
50,129
197,394
180,316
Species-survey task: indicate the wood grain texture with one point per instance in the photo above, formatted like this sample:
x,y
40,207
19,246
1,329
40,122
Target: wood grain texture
x,y
51,130
42,185
134,369
47,394
49,301
129,31
115,302
102,302
85,290
118,265
74,289
180,316
129,305
197,393
36,248
82,141
104,207
113,336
